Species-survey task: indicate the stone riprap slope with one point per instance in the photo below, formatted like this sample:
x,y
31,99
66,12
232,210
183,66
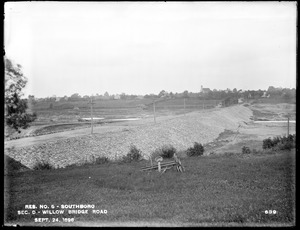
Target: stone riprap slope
x,y
181,132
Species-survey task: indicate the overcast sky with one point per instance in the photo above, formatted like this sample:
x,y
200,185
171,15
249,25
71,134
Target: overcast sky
x,y
142,48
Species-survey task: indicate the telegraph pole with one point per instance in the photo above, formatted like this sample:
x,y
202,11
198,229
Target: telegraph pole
x,y
91,103
288,130
184,105
154,110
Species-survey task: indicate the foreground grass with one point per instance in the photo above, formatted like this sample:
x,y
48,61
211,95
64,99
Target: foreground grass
x,y
213,190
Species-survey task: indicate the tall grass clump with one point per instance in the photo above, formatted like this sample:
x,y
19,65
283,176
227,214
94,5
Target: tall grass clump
x,y
197,150
134,154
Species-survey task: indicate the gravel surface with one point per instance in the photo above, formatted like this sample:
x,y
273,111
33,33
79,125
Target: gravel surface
x,y
181,132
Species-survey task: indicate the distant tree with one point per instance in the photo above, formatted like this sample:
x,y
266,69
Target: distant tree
x,y
171,95
75,97
106,94
15,107
123,96
271,88
274,92
53,98
162,93
185,94
31,99
228,90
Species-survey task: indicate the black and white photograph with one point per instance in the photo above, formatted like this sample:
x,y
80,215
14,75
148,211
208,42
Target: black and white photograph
x,y
149,114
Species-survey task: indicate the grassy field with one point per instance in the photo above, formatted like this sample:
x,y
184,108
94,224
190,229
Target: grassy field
x,y
230,189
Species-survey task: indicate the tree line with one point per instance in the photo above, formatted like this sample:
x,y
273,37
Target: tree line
x,y
214,94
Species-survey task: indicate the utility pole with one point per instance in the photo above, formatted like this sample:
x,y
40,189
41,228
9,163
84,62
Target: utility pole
x,y
288,130
184,105
91,103
154,110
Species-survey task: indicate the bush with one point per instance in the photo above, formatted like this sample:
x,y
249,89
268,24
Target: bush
x,y
134,154
280,143
246,150
42,165
101,160
275,141
197,150
284,146
267,143
167,151
287,143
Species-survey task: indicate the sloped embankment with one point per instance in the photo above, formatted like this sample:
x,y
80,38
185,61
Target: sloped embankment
x,y
181,132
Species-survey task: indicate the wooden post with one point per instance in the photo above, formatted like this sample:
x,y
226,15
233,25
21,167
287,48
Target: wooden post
x,y
159,167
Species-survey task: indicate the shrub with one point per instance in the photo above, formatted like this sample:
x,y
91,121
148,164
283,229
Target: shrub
x,y
267,143
134,154
101,160
284,146
275,141
167,151
197,150
42,165
246,150
280,143
287,143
